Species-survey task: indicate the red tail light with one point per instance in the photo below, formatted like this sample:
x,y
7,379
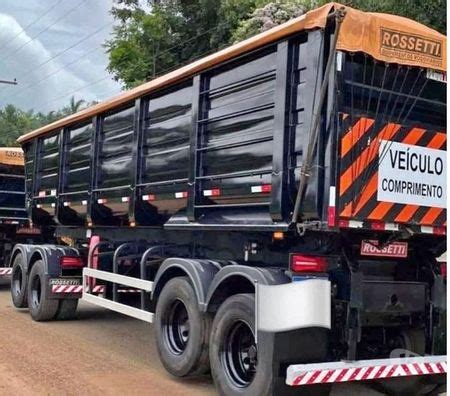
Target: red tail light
x,y
302,263
443,269
71,262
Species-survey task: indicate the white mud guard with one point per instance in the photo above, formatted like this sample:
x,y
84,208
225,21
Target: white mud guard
x,y
292,306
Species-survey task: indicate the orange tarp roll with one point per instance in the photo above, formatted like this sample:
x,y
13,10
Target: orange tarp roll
x,y
393,39
11,156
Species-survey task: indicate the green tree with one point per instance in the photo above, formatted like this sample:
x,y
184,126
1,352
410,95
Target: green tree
x,y
168,33
429,12
73,106
15,122
145,44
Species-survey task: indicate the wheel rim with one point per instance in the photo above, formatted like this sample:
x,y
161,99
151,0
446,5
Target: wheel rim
x,y
17,281
36,291
239,354
177,328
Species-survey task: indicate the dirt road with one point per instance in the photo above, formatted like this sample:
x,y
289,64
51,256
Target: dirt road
x,y
101,353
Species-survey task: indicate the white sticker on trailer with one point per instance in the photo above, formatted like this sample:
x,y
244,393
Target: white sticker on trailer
x,y
413,175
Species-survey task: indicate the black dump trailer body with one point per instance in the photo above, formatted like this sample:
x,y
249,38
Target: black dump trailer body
x,y
202,154
189,183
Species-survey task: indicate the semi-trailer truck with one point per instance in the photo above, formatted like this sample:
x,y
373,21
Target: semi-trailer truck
x,y
275,209
13,216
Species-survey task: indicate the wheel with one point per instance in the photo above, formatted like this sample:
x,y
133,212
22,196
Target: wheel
x,y
233,354
413,340
182,330
67,309
19,283
41,307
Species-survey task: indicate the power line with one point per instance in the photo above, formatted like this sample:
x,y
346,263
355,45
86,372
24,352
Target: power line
x,y
156,56
33,84
75,91
31,24
10,82
67,49
44,30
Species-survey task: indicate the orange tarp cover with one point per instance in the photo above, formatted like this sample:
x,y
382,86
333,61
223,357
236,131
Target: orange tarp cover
x,y
11,156
389,38
393,39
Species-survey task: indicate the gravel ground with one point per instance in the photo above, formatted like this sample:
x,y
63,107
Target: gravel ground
x,y
101,353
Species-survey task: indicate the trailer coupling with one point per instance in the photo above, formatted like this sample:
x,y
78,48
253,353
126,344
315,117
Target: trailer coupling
x,y
365,370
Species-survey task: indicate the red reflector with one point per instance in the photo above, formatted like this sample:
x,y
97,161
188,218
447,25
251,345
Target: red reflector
x,y
331,216
71,261
444,269
265,188
301,263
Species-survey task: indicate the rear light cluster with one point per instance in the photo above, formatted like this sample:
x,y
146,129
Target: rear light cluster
x,y
71,262
303,263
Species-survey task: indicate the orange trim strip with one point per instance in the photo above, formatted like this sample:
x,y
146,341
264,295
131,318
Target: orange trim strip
x,y
380,211
354,134
354,170
430,216
438,140
414,136
406,214
369,190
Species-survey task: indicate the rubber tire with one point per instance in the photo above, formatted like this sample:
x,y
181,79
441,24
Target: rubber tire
x,y
239,306
194,359
46,308
67,309
415,341
19,295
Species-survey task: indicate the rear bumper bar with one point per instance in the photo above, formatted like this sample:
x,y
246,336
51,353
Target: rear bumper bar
x,y
5,272
364,370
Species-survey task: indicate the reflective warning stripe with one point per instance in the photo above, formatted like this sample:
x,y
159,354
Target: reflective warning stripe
x,y
5,271
354,134
331,372
365,158
358,181
431,216
68,289
438,140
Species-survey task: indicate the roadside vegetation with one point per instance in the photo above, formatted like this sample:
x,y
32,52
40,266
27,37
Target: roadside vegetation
x,y
152,37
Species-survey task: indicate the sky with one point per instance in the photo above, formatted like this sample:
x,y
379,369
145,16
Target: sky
x,y
54,50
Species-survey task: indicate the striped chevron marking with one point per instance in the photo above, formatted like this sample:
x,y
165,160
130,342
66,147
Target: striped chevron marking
x,y
67,289
364,370
5,271
79,289
358,180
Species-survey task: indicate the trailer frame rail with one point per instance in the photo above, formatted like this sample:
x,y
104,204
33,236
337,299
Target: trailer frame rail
x,y
101,301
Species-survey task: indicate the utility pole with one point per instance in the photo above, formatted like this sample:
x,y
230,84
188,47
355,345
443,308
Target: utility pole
x,y
14,82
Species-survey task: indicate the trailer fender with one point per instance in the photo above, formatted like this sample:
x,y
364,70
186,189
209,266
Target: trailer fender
x,y
234,279
200,272
25,250
49,254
